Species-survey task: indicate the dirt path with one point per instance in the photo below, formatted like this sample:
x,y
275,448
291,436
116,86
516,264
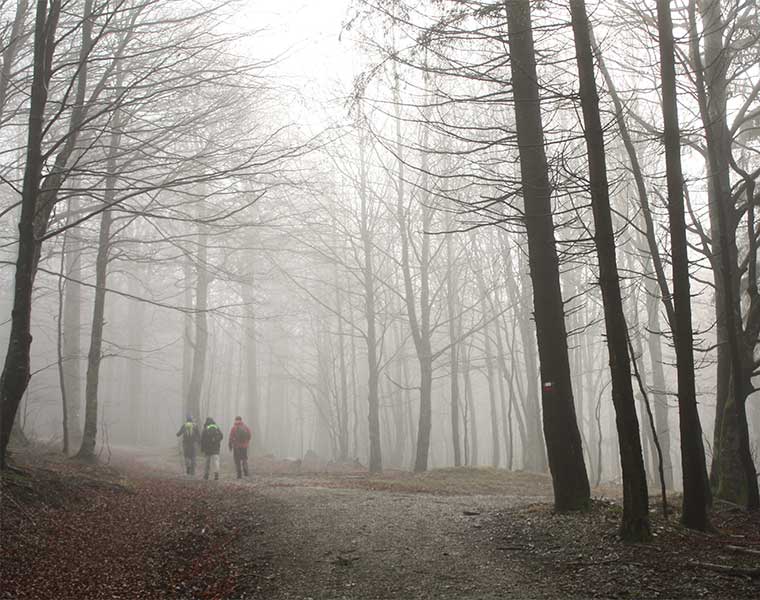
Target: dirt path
x,y
325,543
312,537
141,531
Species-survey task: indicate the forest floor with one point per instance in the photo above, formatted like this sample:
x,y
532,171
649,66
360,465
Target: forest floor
x,y
137,530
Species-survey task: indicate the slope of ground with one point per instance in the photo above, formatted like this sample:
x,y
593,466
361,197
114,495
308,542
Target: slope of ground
x,y
142,531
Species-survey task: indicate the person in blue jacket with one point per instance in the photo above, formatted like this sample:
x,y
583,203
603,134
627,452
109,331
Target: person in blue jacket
x,y
191,436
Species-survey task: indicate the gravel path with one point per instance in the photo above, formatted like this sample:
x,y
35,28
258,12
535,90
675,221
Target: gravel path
x,y
321,543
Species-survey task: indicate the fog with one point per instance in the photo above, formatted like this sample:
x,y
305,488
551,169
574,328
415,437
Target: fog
x,y
316,216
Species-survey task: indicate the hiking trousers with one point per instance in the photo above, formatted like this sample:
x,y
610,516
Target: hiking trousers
x,y
212,461
241,461
189,462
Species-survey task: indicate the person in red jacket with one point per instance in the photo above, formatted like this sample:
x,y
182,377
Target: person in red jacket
x,y
240,438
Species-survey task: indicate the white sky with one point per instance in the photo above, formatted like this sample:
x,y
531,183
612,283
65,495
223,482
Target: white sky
x,y
306,33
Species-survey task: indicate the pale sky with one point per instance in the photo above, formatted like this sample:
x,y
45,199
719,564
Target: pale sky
x,y
307,34
308,30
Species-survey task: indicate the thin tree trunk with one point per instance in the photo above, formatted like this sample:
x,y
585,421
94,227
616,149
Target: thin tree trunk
x,y
200,348
59,347
89,434
251,350
451,305
14,42
534,455
95,354
420,327
490,371
659,398
72,331
135,368
370,315
696,495
470,402
342,407
635,523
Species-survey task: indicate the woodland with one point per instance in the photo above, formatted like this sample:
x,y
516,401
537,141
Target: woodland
x,y
513,244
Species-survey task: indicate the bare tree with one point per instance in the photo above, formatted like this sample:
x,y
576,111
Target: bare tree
x,y
696,495
563,441
635,525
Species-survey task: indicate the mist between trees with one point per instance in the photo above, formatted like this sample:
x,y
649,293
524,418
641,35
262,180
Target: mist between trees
x,y
523,235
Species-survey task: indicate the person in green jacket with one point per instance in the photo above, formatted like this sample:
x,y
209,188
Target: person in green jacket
x,y
211,441
190,438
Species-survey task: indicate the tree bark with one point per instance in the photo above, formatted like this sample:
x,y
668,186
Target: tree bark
x,y
89,435
420,326
252,362
200,318
72,331
563,441
659,398
370,315
696,495
635,523
736,474
16,369
452,294
16,39
489,358
94,356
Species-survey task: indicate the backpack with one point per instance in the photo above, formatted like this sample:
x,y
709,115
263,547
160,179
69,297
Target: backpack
x,y
215,434
188,432
242,434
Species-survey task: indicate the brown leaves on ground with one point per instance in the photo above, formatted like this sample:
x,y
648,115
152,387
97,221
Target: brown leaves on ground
x,y
582,554
78,531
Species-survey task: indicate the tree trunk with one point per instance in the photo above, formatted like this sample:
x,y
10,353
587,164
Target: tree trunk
x,y
342,404
420,327
59,347
563,440
14,42
534,455
72,331
635,524
736,474
94,356
200,344
370,315
469,400
251,363
659,397
451,305
490,371
135,368
696,496
89,435
16,369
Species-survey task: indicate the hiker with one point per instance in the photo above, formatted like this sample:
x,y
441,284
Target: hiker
x,y
240,437
211,441
190,438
